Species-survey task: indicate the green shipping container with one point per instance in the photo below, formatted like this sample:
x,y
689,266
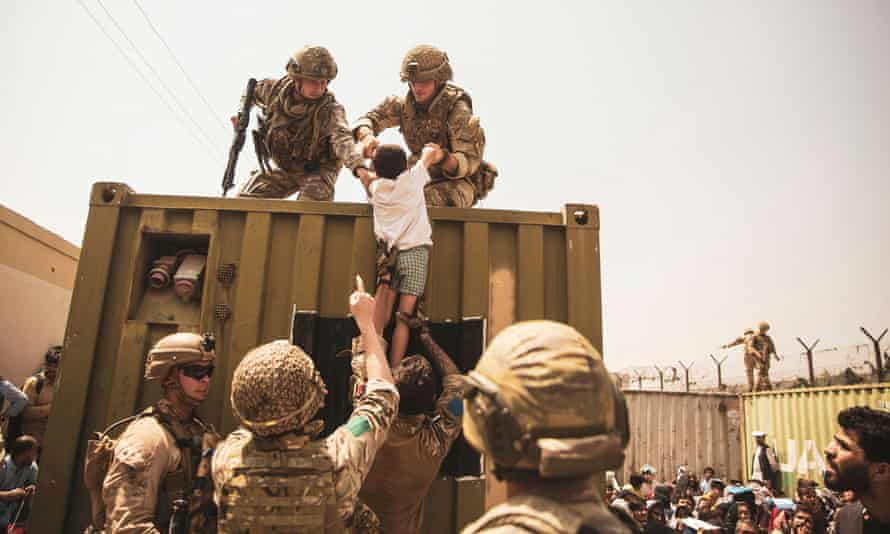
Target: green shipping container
x,y
271,265
800,423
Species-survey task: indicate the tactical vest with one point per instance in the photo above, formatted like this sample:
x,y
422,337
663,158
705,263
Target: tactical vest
x,y
421,126
291,129
281,487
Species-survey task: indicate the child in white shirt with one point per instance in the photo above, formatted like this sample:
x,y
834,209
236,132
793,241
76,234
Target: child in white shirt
x,y
402,225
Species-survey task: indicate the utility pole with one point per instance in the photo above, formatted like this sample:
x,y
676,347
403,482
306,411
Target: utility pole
x,y
719,364
810,359
879,363
660,377
686,371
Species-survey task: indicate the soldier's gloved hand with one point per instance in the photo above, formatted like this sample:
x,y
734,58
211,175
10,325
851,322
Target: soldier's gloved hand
x,y
369,144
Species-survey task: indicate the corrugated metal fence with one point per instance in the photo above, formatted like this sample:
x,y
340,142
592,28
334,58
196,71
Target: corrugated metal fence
x,y
800,423
696,430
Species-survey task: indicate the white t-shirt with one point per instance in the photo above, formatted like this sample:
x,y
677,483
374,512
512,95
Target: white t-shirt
x,y
400,216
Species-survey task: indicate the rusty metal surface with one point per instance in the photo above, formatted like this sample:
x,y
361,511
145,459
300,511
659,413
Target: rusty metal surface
x,y
800,423
695,430
280,256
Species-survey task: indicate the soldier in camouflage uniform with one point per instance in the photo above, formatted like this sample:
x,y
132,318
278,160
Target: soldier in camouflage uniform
x,y
434,111
274,474
764,346
163,455
542,408
752,355
303,138
421,436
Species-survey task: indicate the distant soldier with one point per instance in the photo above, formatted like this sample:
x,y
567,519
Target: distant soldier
x,y
544,411
274,474
303,138
162,456
421,436
752,356
434,111
764,346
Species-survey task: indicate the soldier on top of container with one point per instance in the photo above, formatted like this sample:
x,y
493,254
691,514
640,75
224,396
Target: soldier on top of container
x,y
435,111
163,455
543,409
303,139
752,356
764,346
274,474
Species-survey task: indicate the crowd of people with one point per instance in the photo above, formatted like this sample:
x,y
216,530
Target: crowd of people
x,y
24,413
854,499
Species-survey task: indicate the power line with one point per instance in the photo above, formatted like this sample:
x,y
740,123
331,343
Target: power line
x,y
146,80
157,75
223,124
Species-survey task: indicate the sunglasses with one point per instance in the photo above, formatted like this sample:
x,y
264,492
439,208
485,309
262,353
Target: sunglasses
x,y
198,372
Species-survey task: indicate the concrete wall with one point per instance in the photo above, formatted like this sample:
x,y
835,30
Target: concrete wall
x,y
37,270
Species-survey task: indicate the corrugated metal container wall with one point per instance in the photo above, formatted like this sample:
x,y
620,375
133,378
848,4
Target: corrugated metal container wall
x,y
671,429
503,266
800,423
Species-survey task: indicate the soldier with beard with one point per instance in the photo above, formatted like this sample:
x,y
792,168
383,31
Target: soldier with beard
x,y
858,459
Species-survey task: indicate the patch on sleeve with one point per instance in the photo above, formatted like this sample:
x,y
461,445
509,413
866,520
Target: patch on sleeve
x,y
358,426
456,406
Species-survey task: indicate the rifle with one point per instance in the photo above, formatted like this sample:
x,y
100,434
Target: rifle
x,y
179,517
238,141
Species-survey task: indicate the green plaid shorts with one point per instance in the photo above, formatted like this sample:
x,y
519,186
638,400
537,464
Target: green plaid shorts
x,y
411,269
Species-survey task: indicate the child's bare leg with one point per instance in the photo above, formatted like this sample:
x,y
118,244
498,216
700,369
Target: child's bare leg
x,y
407,304
385,298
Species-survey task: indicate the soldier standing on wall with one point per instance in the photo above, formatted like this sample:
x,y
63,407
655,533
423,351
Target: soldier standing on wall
x,y
544,410
764,346
163,456
303,138
274,474
752,356
434,111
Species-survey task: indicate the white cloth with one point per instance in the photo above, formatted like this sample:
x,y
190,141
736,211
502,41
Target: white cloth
x,y
756,473
400,216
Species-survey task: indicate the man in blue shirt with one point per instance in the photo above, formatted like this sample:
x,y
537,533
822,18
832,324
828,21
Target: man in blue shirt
x,y
18,477
12,402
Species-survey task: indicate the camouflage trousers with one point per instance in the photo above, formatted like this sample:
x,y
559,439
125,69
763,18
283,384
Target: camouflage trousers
x,y
762,383
450,193
315,184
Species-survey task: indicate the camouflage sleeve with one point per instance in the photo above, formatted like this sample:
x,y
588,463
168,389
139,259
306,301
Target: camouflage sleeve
x,y
226,456
141,459
736,341
342,143
446,422
263,92
467,140
354,445
387,114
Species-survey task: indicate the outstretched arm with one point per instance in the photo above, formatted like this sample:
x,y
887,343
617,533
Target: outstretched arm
x,y
441,361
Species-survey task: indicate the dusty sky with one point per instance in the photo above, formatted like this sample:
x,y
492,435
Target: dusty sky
x,y
739,151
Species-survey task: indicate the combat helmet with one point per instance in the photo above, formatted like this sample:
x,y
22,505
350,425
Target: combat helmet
x,y
540,399
763,326
178,349
425,62
276,389
312,63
